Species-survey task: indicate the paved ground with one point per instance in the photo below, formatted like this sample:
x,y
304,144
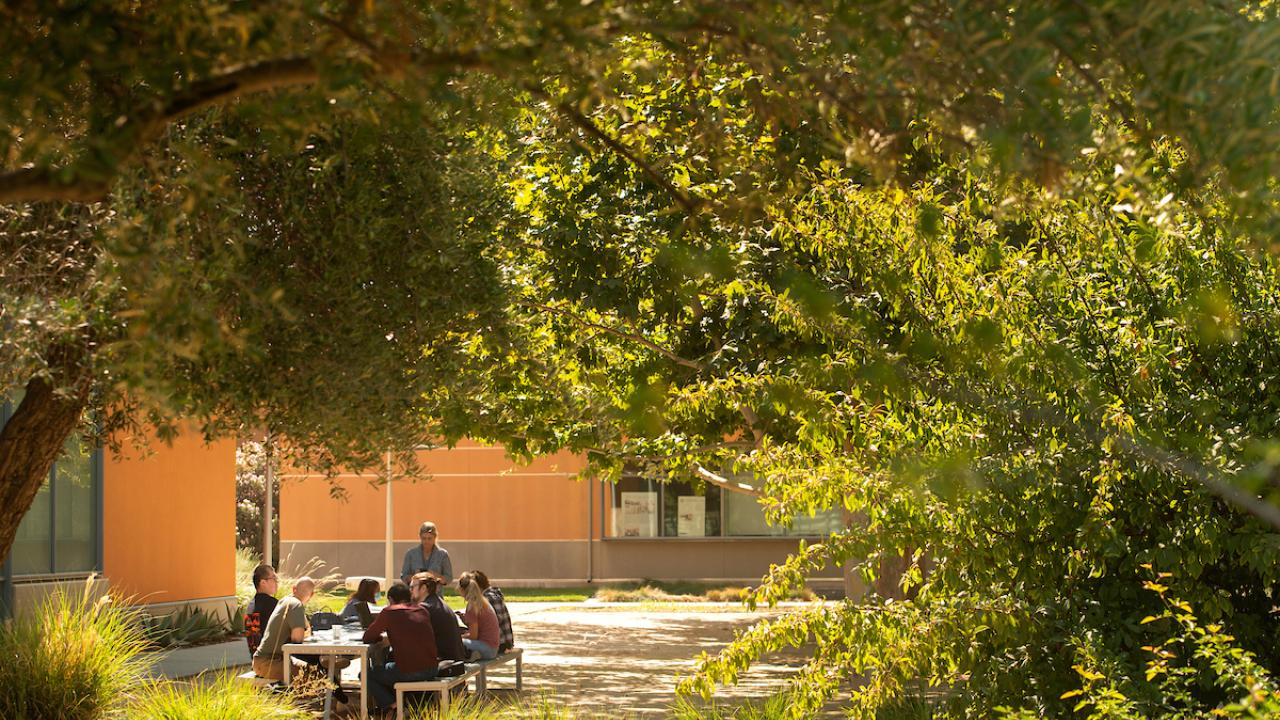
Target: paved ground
x,y
620,661
616,660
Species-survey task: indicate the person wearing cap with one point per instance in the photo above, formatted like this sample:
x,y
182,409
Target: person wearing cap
x,y
427,557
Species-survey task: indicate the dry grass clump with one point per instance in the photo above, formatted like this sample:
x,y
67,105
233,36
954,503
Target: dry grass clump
x,y
73,659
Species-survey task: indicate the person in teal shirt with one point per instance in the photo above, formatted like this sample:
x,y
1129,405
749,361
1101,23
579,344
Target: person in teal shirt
x,y
428,557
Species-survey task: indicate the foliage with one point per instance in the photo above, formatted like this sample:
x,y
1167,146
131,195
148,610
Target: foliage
x,y
251,497
1193,657
990,278
774,708
72,659
188,626
475,708
1026,390
225,698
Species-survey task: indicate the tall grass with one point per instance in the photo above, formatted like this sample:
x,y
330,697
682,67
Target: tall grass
x,y
326,583
472,708
774,708
223,699
72,659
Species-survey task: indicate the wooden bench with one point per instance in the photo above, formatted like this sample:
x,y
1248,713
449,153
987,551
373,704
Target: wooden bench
x,y
445,686
514,654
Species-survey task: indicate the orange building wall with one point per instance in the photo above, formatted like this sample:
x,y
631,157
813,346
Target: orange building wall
x,y
472,492
169,520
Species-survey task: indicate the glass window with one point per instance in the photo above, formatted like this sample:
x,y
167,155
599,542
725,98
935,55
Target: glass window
x,y
74,508
635,507
59,533
690,510
645,508
31,553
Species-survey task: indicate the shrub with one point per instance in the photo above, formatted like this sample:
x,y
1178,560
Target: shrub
x,y
224,699
188,626
71,660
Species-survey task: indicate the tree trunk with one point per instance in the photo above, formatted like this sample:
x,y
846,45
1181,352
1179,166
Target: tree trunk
x,y
31,442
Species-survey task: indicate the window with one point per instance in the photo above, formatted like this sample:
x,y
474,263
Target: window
x,y
644,508
61,533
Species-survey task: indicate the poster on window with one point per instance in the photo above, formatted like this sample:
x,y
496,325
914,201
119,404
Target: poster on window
x,y
692,511
639,514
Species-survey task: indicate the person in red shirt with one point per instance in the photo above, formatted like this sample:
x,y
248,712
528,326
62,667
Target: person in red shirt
x,y
408,628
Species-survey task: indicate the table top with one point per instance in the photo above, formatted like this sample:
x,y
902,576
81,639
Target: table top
x,y
349,636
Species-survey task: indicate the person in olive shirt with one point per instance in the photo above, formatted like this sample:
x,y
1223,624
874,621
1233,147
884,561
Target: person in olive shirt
x,y
408,628
427,557
288,624
443,622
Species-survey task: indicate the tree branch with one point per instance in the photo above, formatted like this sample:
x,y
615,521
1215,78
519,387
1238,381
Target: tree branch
x,y
726,483
34,184
575,116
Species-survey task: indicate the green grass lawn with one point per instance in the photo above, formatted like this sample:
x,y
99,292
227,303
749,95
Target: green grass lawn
x,y
335,600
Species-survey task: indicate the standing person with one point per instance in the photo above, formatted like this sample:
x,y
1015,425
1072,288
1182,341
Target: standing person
x,y
265,586
427,557
408,628
366,594
482,636
499,604
443,622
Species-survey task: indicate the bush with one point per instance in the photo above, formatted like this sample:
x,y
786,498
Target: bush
x,y
188,626
72,660
224,699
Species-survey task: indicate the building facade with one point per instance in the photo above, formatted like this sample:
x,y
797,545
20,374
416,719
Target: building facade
x,y
538,524
156,527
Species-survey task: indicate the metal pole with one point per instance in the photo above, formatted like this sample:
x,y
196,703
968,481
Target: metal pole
x,y
389,559
591,511
268,507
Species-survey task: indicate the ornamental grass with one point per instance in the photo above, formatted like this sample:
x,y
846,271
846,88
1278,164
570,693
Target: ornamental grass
x,y
72,659
225,698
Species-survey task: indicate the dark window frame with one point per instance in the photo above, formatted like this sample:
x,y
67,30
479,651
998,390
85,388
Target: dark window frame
x,y
96,473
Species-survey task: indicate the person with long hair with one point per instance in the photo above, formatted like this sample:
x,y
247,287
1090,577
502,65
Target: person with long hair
x,y
482,636
366,594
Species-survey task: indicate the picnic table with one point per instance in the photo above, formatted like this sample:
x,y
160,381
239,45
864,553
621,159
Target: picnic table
x,y
340,641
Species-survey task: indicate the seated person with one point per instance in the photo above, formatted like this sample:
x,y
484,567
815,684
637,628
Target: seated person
x,y
258,612
482,636
499,603
408,628
287,624
366,595
425,590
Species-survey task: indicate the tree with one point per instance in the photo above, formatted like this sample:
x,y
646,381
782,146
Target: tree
x,y
1041,393
174,180
974,270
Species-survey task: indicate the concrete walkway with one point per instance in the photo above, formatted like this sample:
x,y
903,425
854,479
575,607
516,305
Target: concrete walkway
x,y
614,659
599,659
185,662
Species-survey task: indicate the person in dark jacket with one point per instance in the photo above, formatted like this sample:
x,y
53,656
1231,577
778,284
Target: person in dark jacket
x,y
444,623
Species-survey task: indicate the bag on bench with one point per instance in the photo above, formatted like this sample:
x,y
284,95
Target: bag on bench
x,y
451,668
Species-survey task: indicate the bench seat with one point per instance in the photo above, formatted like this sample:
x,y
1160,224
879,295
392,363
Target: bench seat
x,y
445,686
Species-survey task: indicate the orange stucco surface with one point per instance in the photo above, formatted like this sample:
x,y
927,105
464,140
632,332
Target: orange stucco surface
x,y
169,520
472,492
